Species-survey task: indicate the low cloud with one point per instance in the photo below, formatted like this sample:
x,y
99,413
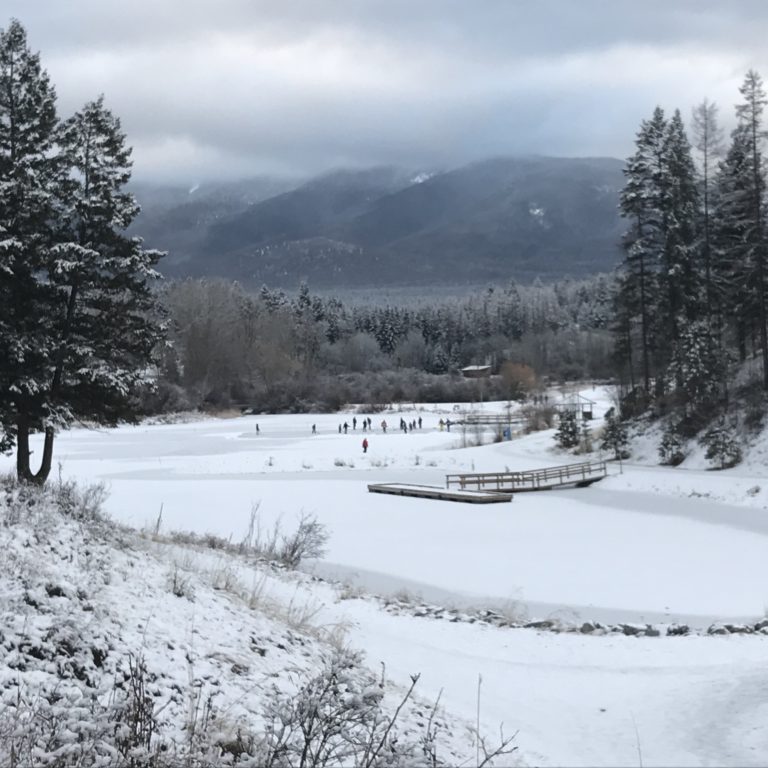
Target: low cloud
x,y
237,87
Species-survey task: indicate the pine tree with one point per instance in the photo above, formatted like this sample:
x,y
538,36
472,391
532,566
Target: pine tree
x,y
661,283
679,279
750,115
567,434
698,366
732,236
672,446
640,203
708,141
721,445
30,173
615,437
81,330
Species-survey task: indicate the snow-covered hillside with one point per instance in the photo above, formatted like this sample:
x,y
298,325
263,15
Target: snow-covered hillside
x,y
635,571
126,650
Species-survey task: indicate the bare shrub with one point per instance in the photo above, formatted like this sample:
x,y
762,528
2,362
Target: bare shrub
x,y
25,502
80,503
307,541
518,379
266,543
136,727
338,717
180,584
538,417
335,718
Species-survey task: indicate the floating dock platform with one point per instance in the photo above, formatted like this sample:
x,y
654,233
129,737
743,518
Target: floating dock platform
x,y
444,494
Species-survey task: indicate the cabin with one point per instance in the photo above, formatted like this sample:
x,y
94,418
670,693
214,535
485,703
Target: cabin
x,y
476,372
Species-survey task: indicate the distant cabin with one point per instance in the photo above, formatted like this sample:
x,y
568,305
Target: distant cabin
x,y
476,372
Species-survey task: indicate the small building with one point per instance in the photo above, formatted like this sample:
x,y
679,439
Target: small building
x,y
476,372
579,405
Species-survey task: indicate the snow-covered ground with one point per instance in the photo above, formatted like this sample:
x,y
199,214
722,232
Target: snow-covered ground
x,y
649,544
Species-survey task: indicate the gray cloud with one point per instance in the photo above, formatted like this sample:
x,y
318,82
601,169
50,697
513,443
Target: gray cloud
x,y
237,87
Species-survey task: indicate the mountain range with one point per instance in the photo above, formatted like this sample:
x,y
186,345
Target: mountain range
x,y
502,218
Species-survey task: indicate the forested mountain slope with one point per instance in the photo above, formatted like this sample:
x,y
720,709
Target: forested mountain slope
x,y
488,221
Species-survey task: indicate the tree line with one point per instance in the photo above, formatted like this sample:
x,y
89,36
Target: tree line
x,y
275,351
691,299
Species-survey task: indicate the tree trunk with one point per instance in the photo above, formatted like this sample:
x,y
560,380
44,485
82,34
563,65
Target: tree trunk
x,y
644,329
23,471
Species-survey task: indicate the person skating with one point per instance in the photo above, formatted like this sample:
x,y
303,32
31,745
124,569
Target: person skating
x,y
365,445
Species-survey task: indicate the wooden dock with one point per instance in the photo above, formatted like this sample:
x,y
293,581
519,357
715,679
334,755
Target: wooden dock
x,y
444,494
579,475
490,420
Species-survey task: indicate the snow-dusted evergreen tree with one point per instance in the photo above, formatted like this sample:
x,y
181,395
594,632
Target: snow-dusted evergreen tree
x,y
731,240
105,320
722,447
640,204
679,297
76,311
615,436
672,446
661,283
750,115
274,300
30,174
708,141
568,433
386,331
739,226
698,366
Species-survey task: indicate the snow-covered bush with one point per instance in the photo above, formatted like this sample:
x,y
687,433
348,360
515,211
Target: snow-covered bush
x,y
567,435
722,448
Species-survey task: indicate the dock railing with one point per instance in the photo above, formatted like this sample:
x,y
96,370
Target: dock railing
x,y
582,473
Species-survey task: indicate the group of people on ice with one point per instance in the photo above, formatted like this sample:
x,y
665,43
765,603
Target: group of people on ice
x,y
367,424
409,426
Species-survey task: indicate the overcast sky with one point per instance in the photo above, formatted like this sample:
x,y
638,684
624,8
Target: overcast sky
x,y
233,88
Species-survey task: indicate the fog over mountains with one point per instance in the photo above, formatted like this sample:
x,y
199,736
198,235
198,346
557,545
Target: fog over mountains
x,y
490,221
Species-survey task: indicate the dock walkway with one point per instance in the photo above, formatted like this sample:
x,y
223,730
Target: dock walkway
x,y
579,475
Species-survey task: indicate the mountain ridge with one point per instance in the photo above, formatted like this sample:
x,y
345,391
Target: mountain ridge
x,y
491,220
